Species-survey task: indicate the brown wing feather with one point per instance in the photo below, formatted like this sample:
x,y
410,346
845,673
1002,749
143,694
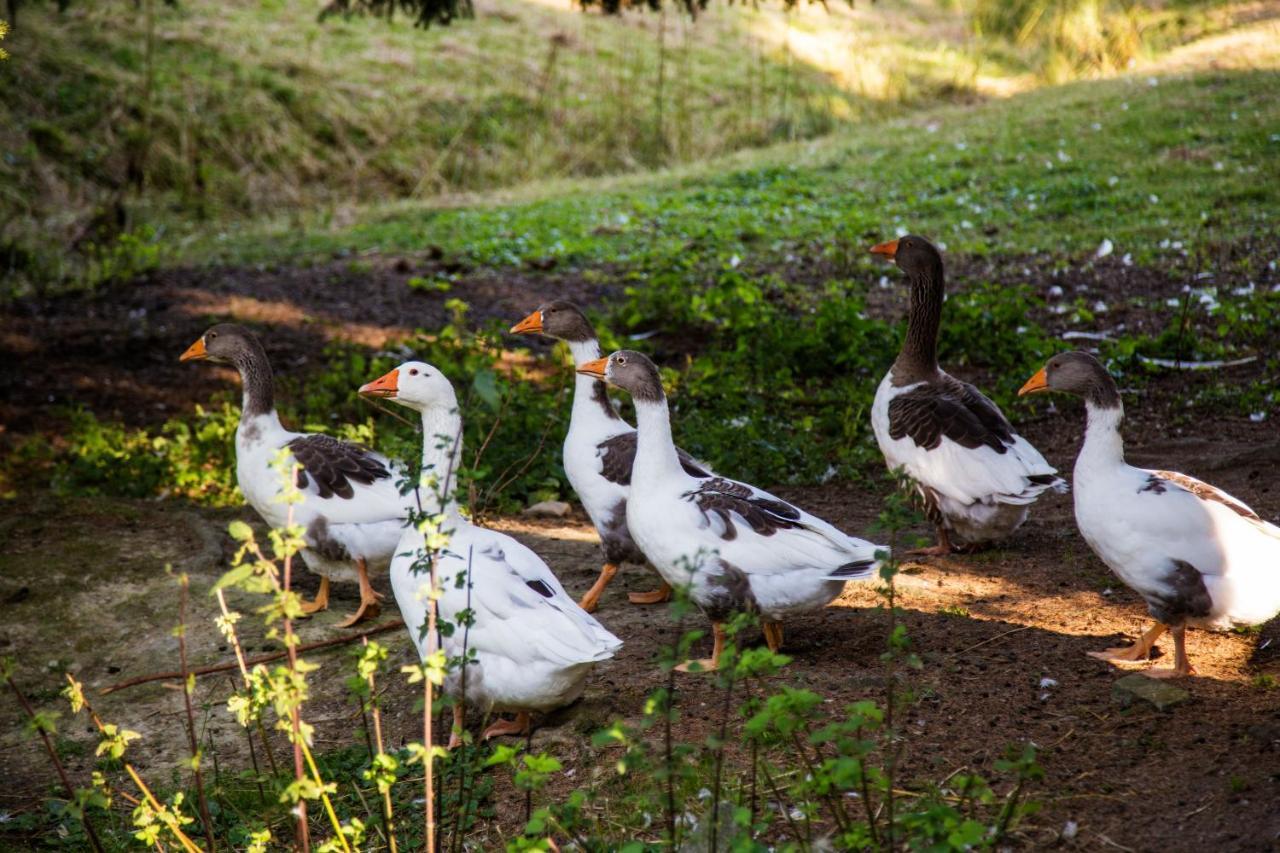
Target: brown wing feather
x,y
618,454
1202,490
949,408
725,499
334,465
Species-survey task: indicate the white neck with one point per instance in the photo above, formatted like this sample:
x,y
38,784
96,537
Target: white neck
x,y
588,407
1103,447
441,457
655,451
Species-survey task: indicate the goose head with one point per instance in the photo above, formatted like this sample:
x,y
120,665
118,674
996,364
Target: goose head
x,y
415,385
225,343
629,370
911,253
1077,373
558,319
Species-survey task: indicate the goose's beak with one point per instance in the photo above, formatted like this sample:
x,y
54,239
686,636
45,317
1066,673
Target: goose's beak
x,y
529,325
1039,382
595,368
889,249
195,351
383,386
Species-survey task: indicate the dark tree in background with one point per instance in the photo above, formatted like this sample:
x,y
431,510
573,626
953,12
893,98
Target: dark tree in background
x,y
428,12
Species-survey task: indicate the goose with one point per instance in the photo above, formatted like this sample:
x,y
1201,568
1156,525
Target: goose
x,y
599,450
1196,555
977,476
351,511
532,646
733,546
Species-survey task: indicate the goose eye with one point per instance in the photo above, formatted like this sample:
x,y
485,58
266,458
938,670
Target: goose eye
x,y
212,335
413,371
621,360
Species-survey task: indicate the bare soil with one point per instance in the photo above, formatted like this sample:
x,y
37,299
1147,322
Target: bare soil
x,y
82,585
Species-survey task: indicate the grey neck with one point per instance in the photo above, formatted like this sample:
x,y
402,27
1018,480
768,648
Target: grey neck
x,y
255,375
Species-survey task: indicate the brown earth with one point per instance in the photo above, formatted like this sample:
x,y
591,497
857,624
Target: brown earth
x,y
83,589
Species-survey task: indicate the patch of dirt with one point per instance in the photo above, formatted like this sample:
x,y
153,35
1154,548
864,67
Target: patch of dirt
x,y
116,352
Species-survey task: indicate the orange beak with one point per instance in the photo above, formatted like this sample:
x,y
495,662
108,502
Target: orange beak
x,y
195,351
595,368
888,249
384,386
1039,382
529,325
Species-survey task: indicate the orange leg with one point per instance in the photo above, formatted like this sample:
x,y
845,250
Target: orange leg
x,y
369,606
942,549
712,663
321,601
519,726
1139,651
592,599
659,595
455,736
772,635
1181,663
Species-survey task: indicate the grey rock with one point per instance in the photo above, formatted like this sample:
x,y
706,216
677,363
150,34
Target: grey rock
x,y
1161,694
548,509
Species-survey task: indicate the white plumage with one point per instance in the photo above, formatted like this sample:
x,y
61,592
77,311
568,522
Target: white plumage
x,y
981,494
533,646
733,546
1196,555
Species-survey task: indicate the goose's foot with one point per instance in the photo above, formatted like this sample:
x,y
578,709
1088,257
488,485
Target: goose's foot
x,y
591,600
455,734
1181,664
519,726
772,635
321,601
1139,651
712,663
942,549
657,596
369,599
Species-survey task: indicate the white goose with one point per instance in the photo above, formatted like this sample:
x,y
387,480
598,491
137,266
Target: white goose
x,y
977,476
352,512
599,450
1195,554
533,646
735,547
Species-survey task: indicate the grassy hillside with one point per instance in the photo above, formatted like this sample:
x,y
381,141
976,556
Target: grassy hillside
x,y
1144,160
118,118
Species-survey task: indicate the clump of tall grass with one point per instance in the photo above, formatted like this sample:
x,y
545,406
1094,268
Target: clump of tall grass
x,y
1068,38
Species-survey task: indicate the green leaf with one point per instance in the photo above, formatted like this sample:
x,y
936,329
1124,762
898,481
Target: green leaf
x,y
485,384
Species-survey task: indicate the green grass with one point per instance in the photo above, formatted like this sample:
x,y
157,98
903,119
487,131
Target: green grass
x,y
1137,160
250,109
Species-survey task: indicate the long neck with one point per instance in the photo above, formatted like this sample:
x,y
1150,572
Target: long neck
x,y
1103,446
655,450
255,377
590,398
441,457
918,358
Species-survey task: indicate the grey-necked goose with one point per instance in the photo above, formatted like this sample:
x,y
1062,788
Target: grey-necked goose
x,y
532,646
977,476
352,511
599,449
736,547
1196,555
